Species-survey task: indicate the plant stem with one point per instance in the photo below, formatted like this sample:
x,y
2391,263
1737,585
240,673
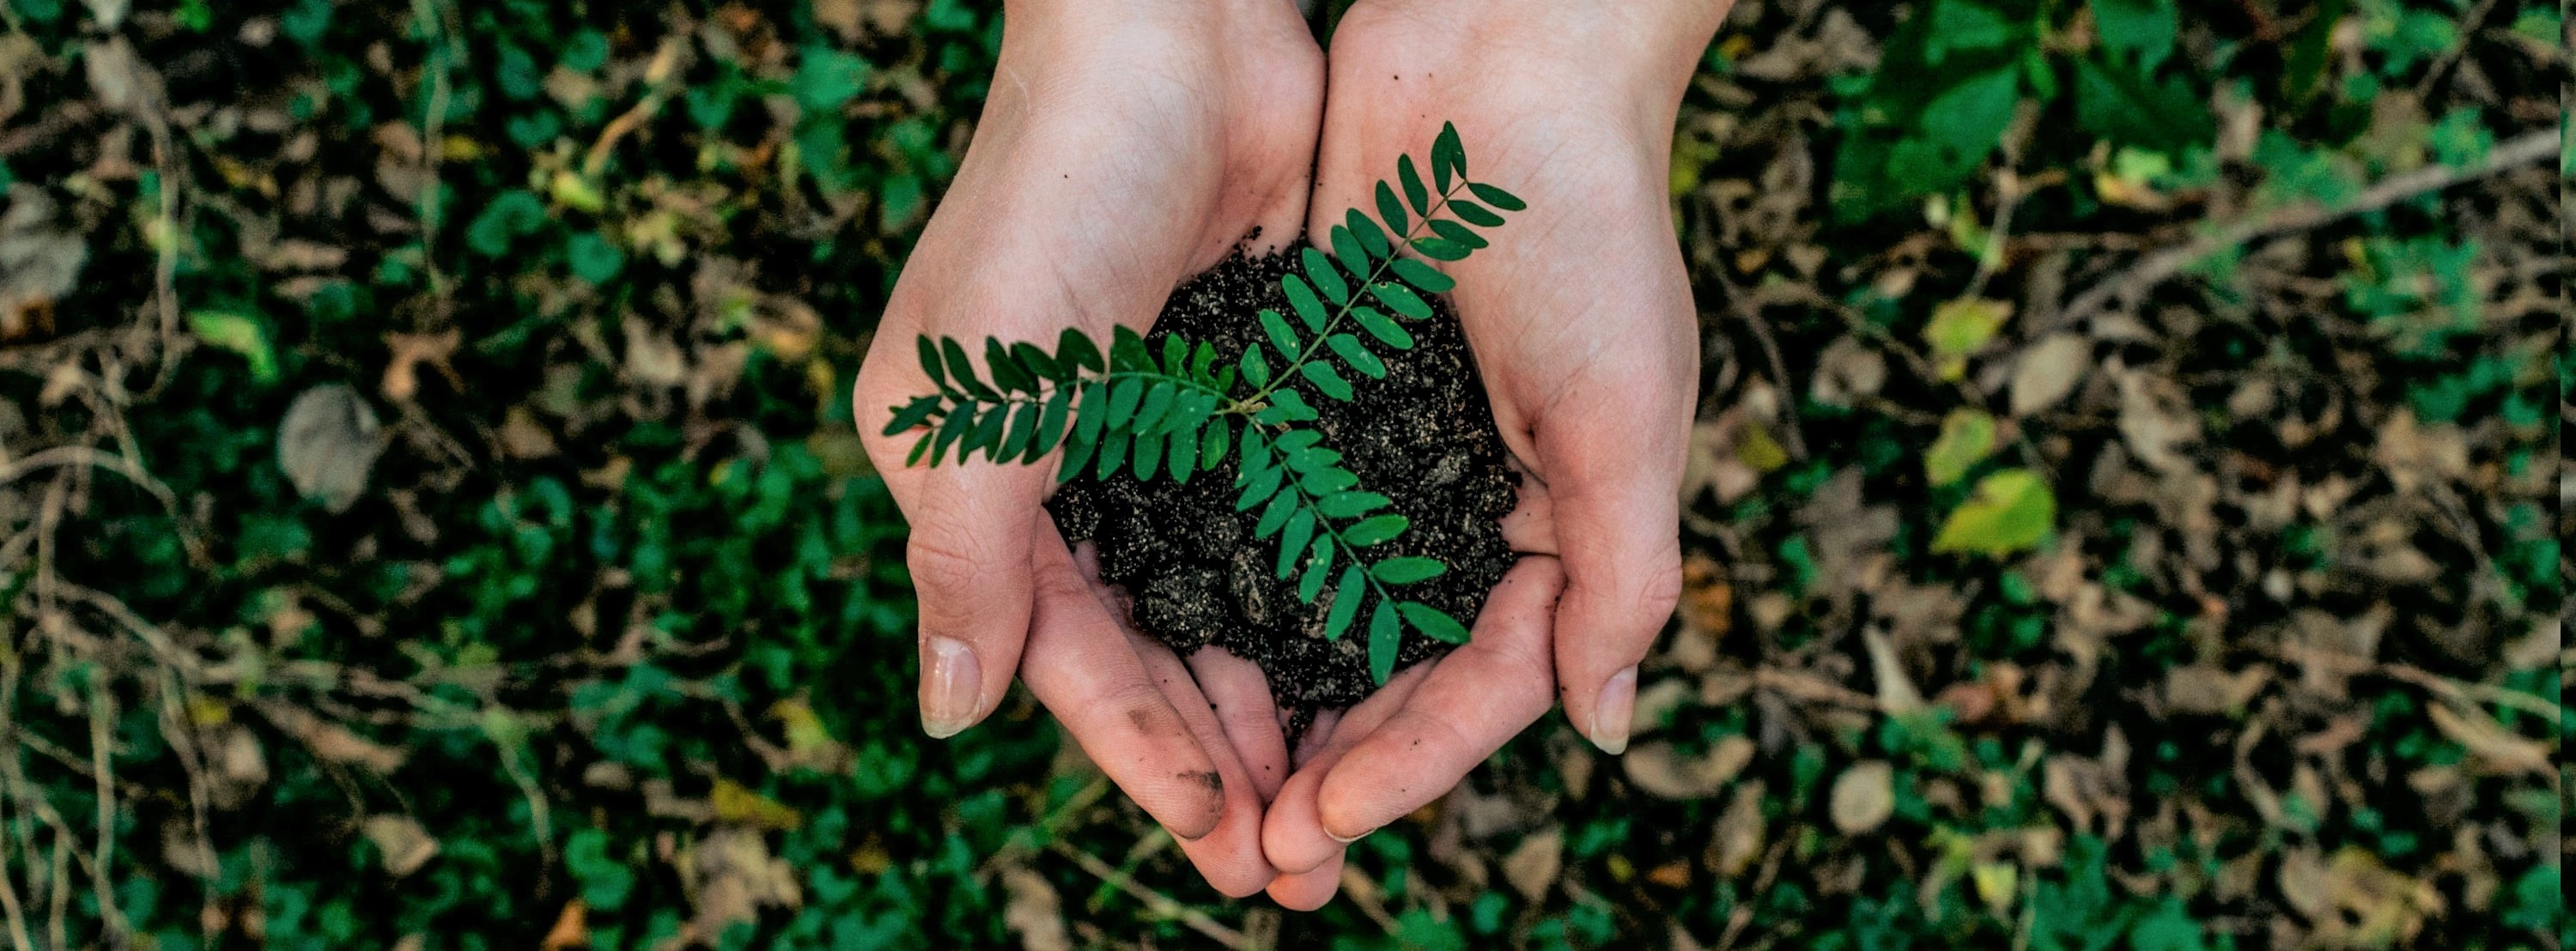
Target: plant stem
x,y
1358,292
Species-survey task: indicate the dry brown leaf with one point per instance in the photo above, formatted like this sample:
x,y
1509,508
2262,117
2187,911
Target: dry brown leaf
x,y
2495,748
1896,693
1739,832
402,370
1533,865
404,845
1034,912
571,929
39,262
651,357
2048,370
1864,796
328,443
1662,770
741,805
2208,689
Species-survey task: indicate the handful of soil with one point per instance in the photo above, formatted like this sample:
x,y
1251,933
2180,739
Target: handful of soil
x,y
1423,436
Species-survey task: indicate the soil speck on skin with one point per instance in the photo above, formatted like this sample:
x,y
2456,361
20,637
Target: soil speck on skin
x,y
1423,436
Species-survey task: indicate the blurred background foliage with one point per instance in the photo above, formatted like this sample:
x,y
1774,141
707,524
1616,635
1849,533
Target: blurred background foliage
x,y
2126,510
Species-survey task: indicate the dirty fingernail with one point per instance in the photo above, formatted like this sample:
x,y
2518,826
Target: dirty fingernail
x,y
1610,714
949,680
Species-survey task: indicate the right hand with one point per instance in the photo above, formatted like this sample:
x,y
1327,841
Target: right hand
x,y
1122,149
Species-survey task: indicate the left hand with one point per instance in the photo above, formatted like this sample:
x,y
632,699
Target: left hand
x,y
1581,319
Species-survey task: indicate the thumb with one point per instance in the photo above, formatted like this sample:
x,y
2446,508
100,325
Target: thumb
x,y
969,554
1617,524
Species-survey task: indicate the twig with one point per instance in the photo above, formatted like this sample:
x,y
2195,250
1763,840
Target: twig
x,y
2459,46
9,905
1155,902
2154,269
2469,693
1751,314
111,916
1807,687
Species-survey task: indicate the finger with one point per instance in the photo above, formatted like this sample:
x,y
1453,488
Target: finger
x,y
1309,890
1081,666
1240,692
1477,699
969,555
1293,835
1615,496
1229,856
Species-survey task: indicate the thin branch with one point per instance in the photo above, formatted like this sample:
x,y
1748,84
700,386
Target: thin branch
x,y
2132,285
1156,902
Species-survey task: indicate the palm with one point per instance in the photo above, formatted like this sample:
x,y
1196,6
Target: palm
x,y
1582,323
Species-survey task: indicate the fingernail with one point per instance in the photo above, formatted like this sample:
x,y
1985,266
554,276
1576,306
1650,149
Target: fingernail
x,y
1329,835
949,681
1610,714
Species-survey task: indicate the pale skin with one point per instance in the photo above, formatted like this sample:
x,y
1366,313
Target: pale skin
x,y
1125,148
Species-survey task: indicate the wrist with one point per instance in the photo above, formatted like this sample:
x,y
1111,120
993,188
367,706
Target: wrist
x,y
1638,49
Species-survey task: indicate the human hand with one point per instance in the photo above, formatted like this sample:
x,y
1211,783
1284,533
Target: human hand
x,y
1581,319
1121,150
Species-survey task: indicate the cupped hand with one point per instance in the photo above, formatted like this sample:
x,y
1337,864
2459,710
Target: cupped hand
x,y
1122,148
1581,320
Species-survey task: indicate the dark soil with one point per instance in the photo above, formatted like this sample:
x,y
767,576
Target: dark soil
x,y
1423,436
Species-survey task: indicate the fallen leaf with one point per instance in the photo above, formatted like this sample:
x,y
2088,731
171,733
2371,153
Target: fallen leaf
x,y
2012,510
328,443
402,842
39,262
2156,421
2497,749
741,805
1739,832
571,929
1962,327
1847,371
1997,883
2047,371
1533,865
402,373
1967,437
239,333
2208,689
1661,769
1864,796
1034,911
1896,692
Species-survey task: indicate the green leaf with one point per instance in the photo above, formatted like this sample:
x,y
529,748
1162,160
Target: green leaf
x,y
1301,298
1347,594
826,78
1038,363
1391,210
1376,530
1201,359
2012,510
2142,31
920,448
1051,423
960,421
1371,239
1326,277
1474,214
1077,453
1458,234
1147,456
1384,635
1007,373
930,362
1127,351
1447,149
1296,410
1497,197
1275,517
1350,504
1414,193
1292,542
1297,440
1184,454
1358,356
1347,249
912,414
1961,327
962,370
1280,336
1440,249
1967,436
987,434
1322,482
1112,454
1400,299
1158,400
1212,443
239,333
1424,276
1319,566
1384,328
1176,356
594,257
1123,396
1024,424
1327,380
1407,570
1074,349
1259,486
1432,623
1093,412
